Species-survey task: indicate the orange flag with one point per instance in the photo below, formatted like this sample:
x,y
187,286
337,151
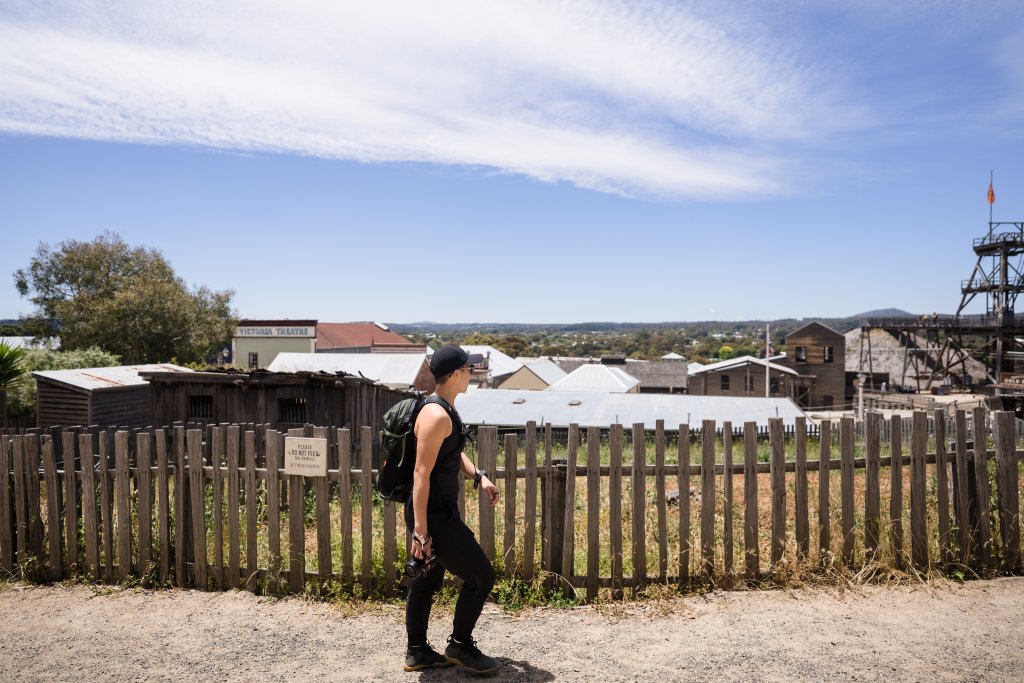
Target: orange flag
x,y
991,193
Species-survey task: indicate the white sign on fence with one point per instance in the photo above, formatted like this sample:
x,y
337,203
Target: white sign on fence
x,y
305,457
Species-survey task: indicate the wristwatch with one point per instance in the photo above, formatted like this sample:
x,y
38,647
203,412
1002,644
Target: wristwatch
x,y
480,474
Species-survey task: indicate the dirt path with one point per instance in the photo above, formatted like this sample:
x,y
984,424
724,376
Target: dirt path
x,y
951,633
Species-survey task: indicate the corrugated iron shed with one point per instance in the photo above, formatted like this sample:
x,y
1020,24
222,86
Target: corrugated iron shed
x,y
95,379
514,408
97,396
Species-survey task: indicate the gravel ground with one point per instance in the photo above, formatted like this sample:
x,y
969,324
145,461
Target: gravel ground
x,y
968,632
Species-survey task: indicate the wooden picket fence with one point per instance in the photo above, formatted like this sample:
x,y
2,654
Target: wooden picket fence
x,y
208,508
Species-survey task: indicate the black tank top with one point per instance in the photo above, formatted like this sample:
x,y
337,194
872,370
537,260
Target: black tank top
x,y
444,479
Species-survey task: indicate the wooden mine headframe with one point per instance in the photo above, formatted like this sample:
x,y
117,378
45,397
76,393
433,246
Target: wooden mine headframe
x,y
951,340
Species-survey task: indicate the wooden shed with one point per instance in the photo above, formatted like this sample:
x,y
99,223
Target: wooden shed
x,y
282,400
115,396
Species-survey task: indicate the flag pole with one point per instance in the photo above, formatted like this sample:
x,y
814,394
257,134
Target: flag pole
x,y
991,201
767,352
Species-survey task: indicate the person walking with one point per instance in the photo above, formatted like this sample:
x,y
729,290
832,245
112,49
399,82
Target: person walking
x,y
438,533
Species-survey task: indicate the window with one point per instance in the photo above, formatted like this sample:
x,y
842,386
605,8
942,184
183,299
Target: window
x,y
748,383
801,354
725,382
200,407
291,410
773,386
826,402
829,354
254,360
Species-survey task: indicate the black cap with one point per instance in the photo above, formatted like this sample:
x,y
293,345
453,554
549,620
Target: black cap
x,y
448,359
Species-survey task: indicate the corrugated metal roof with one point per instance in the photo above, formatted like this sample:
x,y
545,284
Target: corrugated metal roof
x,y
397,370
743,360
516,407
597,378
546,370
92,379
348,335
500,364
672,355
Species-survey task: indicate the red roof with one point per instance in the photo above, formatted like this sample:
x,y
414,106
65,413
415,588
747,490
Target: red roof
x,y
348,335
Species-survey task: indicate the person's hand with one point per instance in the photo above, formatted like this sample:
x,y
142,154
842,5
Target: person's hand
x,y
488,487
419,550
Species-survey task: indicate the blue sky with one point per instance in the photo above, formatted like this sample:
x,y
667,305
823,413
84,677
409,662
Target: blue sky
x,y
519,162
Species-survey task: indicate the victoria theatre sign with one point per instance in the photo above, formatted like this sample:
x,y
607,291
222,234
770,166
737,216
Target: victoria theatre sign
x,y
275,331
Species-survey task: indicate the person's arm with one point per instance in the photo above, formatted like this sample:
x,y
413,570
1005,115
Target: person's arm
x,y
486,485
432,426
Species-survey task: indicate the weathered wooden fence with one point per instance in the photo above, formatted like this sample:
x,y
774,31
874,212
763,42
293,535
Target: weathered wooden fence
x,y
208,508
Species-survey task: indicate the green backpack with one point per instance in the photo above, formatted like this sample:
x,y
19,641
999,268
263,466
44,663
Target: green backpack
x,y
398,447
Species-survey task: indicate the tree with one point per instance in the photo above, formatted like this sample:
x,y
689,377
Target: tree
x,y
124,300
512,345
11,371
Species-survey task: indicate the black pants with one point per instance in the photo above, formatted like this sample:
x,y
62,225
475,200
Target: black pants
x,y
457,551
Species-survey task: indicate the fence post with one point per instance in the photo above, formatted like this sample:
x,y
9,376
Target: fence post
x,y
195,477
553,513
981,492
824,494
707,497
802,527
872,487
615,441
511,465
639,510
896,491
1009,497
778,476
751,547
727,497
530,527
918,511
683,479
593,510
942,487
846,454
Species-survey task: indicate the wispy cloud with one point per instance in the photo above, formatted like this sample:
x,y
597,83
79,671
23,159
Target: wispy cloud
x,y
651,99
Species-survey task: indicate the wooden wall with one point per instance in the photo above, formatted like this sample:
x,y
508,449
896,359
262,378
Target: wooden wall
x,y
258,398
830,378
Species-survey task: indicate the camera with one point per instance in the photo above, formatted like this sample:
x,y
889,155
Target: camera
x,y
417,567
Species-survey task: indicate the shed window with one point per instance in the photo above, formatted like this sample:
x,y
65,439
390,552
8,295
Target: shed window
x,y
291,410
773,386
829,354
254,360
725,382
200,407
801,354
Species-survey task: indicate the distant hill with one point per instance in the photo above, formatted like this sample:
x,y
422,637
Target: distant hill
x,y
885,313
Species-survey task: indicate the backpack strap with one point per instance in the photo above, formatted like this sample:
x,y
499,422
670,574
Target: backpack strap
x,y
453,414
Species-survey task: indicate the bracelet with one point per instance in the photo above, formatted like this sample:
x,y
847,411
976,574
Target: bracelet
x,y
422,541
480,474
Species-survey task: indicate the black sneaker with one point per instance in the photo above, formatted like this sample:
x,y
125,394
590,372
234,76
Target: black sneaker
x,y
423,657
468,656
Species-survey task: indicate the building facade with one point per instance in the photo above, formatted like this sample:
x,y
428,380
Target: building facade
x,y
256,343
818,354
